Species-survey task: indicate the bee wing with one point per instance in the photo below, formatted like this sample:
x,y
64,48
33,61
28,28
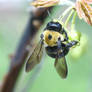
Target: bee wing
x,y
35,57
61,67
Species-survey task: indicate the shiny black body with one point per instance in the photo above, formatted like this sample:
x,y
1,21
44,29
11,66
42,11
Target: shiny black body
x,y
52,51
58,47
63,49
54,26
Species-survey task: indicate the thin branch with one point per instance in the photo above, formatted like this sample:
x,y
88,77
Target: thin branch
x,y
21,53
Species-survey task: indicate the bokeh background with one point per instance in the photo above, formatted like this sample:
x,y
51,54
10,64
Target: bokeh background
x,y
14,16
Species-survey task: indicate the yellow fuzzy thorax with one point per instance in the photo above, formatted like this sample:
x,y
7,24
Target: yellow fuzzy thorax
x,y
53,41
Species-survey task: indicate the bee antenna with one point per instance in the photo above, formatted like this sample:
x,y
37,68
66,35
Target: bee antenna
x,y
49,15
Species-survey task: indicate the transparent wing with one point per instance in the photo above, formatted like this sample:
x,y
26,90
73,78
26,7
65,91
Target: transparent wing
x,y
61,67
35,57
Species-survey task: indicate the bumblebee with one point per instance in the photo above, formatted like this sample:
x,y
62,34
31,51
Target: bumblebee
x,y
57,45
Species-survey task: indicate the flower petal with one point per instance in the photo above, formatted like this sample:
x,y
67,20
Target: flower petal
x,y
45,3
84,11
78,9
88,1
88,12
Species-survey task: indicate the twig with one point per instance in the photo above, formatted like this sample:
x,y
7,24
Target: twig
x,y
21,53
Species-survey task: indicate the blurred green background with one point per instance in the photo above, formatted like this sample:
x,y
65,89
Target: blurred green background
x,y
44,77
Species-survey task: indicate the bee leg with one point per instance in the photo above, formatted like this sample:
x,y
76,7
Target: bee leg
x,y
72,43
66,36
59,44
41,36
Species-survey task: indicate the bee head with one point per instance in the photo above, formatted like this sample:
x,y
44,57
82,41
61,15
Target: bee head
x,y
51,38
54,26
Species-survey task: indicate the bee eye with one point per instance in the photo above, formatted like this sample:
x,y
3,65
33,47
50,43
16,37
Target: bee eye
x,y
59,38
49,37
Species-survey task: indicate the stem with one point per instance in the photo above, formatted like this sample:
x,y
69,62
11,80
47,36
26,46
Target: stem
x,y
73,21
65,12
68,18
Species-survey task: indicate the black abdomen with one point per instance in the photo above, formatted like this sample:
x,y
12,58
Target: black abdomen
x,y
52,51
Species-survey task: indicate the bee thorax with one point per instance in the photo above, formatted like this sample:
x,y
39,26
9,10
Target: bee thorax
x,y
51,38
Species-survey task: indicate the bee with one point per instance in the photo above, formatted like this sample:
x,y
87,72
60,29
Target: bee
x,y
55,40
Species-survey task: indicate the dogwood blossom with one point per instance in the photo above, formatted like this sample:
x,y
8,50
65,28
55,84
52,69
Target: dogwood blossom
x,y
45,3
84,10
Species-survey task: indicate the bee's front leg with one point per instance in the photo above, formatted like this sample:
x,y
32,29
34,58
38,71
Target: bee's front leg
x,y
41,36
66,36
71,44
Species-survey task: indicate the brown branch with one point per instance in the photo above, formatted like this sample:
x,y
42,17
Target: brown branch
x,y
21,53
